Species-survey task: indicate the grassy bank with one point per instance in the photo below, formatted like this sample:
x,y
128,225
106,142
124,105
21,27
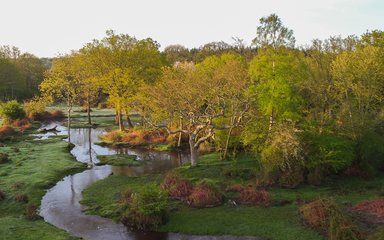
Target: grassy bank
x,y
33,167
279,221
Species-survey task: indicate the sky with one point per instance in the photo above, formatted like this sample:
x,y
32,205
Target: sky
x,y
47,28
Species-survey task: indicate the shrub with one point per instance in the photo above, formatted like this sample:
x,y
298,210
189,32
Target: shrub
x,y
205,194
235,188
326,217
329,153
35,107
147,209
177,187
2,195
4,158
11,110
251,195
112,137
6,131
21,197
283,156
30,212
133,138
373,208
370,153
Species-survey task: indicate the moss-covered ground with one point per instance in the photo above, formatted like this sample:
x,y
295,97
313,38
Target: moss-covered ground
x,y
33,168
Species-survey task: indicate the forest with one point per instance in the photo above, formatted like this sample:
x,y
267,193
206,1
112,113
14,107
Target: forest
x,y
305,115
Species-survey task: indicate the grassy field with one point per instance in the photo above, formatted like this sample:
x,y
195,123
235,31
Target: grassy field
x,y
275,222
34,166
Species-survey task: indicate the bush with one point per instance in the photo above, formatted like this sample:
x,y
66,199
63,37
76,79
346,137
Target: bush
x,y
370,153
326,217
133,138
35,107
146,210
177,187
30,212
112,137
205,194
4,158
283,157
21,197
2,195
6,131
11,110
253,196
235,188
373,208
329,153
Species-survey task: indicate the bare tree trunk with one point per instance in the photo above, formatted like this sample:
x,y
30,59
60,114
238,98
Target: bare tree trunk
x,y
69,121
227,143
130,125
193,150
120,119
180,134
89,111
116,116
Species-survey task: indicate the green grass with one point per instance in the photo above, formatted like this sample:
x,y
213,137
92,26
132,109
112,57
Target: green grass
x,y
19,228
119,160
35,166
276,222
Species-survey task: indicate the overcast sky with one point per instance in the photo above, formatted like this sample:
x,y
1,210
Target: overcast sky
x,y
48,27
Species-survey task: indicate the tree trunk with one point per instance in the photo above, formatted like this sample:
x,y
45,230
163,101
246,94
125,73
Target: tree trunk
x,y
120,119
180,134
116,116
89,112
130,125
69,122
193,150
227,144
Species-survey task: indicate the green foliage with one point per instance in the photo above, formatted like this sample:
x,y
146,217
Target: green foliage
x,y
282,157
147,209
329,152
370,153
11,110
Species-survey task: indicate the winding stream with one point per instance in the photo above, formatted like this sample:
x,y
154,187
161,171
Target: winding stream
x,y
60,206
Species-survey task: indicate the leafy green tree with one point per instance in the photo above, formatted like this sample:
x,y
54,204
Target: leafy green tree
x,y
123,65
272,33
358,83
61,84
200,95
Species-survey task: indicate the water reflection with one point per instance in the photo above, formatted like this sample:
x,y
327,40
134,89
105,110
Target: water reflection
x,y
61,204
86,151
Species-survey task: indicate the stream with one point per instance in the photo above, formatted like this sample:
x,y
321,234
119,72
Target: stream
x,y
60,205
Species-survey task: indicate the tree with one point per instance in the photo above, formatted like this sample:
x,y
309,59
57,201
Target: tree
x,y
272,33
123,63
177,53
359,88
200,95
60,83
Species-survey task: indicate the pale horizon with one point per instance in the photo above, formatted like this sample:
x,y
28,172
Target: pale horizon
x,y
46,29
